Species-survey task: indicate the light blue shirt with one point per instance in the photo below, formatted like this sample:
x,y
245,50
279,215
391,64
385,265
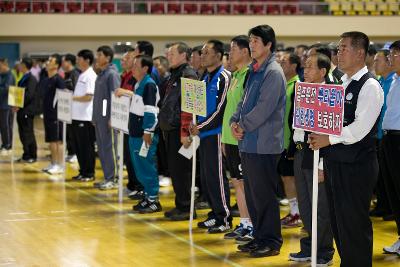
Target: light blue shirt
x,y
391,120
385,83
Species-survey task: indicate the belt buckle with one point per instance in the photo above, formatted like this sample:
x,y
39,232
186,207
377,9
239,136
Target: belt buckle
x,y
385,132
299,146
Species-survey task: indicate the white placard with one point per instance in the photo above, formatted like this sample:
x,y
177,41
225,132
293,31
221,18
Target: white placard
x,y
120,112
188,152
64,105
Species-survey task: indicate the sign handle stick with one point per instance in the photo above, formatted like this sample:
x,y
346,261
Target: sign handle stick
x,y
193,183
14,132
314,232
121,166
64,147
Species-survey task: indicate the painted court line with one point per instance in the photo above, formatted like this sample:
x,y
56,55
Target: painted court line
x,y
136,218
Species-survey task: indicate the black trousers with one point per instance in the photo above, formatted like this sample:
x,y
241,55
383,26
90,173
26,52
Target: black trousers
x,y
133,182
179,169
162,158
260,185
6,127
214,179
27,135
71,144
84,137
304,188
349,188
380,189
391,173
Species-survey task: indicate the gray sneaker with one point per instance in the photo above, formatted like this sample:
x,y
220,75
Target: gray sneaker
x,y
106,185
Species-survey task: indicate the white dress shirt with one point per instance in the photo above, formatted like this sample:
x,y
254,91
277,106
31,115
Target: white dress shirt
x,y
369,105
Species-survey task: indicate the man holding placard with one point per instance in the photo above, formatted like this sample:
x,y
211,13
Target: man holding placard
x,y
143,138
350,160
209,129
316,70
26,114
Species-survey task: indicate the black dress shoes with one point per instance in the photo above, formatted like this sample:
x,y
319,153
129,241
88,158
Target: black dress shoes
x,y
263,251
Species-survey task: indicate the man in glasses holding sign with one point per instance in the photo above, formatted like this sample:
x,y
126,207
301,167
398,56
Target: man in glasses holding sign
x,y
350,160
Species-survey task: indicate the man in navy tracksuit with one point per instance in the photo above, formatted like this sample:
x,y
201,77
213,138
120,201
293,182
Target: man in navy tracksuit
x,y
209,129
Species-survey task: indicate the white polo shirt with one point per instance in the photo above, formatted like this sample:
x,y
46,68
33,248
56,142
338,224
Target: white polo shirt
x,y
82,111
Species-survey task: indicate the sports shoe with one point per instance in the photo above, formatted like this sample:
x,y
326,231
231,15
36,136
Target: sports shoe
x,y
77,177
291,221
210,222
182,216
45,169
217,229
300,257
136,195
98,184
284,202
5,152
71,159
393,249
106,185
150,207
87,179
56,169
164,181
169,213
248,237
238,231
140,205
324,262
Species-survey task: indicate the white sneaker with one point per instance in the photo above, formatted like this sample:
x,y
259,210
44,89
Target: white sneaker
x,y
56,169
164,181
393,249
71,159
5,152
284,202
46,169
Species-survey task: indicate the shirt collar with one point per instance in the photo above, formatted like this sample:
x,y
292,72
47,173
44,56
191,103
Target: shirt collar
x,y
293,79
241,71
357,76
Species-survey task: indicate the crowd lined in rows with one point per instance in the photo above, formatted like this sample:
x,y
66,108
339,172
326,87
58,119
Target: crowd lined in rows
x,y
246,135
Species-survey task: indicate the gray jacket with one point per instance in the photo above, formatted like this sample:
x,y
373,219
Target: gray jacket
x,y
261,111
107,81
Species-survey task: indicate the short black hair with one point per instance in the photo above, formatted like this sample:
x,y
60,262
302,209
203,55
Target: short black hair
x,y
146,61
27,62
295,59
71,58
4,60
323,62
182,48
145,48
86,54
197,49
266,33
395,45
163,61
372,50
289,49
218,47
324,49
242,41
107,51
58,59
358,40
305,47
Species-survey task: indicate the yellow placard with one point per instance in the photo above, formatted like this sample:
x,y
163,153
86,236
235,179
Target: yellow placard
x,y
194,97
16,96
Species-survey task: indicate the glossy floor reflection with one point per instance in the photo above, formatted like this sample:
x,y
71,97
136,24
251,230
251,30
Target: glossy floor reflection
x,y
49,221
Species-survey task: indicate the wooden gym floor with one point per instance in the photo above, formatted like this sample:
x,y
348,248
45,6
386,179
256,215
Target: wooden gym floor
x,y
49,221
